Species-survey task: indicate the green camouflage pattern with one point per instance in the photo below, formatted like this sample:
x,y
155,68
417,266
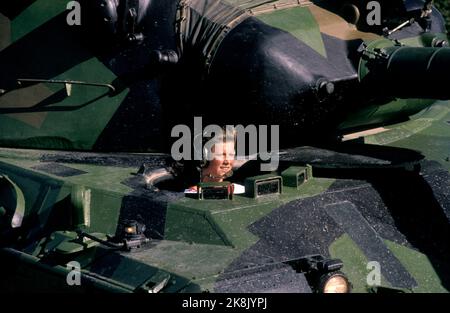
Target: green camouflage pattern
x,y
202,240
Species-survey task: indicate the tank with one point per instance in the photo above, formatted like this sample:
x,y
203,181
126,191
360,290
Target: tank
x,y
93,199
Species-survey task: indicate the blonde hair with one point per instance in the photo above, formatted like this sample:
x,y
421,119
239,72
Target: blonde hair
x,y
228,134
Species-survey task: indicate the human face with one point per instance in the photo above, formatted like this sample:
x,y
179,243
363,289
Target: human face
x,y
221,164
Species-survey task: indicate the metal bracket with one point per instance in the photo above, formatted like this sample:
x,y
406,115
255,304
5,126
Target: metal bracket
x,y
131,22
387,32
156,283
377,53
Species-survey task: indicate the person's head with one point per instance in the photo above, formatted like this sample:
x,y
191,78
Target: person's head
x,y
219,163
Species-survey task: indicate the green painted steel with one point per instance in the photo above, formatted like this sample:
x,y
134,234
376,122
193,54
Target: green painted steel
x,y
306,31
71,122
194,243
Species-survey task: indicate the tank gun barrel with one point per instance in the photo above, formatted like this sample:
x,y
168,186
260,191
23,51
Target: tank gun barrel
x,y
395,70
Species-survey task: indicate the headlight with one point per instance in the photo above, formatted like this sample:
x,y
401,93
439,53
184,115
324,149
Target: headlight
x,y
334,283
130,230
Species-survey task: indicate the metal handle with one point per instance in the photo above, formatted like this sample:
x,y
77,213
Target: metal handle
x,y
65,82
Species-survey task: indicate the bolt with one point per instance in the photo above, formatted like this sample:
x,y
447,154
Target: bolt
x,y
326,87
323,89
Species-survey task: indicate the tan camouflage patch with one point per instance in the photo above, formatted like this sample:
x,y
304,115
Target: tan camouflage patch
x,y
364,133
5,32
26,98
334,25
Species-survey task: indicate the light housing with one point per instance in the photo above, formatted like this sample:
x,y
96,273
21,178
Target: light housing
x,y
334,282
131,230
